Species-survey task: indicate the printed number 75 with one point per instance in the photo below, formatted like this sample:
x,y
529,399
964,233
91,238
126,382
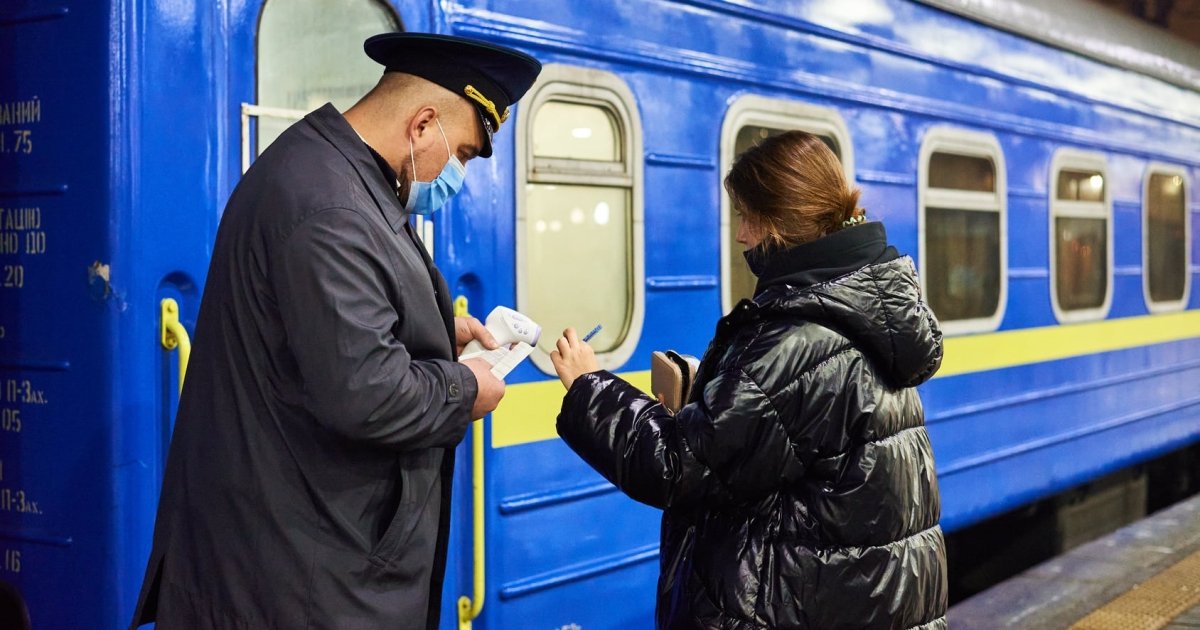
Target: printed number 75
x,y
24,142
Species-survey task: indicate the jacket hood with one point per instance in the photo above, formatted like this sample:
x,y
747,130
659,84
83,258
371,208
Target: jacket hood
x,y
877,305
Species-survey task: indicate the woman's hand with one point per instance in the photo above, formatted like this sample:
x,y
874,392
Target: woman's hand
x,y
468,329
572,358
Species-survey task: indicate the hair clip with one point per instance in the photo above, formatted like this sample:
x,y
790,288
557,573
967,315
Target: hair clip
x,y
855,220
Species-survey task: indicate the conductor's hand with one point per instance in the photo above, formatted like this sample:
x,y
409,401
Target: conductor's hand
x,y
572,358
491,389
467,329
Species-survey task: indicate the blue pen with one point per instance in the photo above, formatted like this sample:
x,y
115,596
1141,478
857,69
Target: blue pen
x,y
589,336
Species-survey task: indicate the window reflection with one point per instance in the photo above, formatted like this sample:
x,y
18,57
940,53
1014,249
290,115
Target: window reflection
x,y
1166,246
1082,262
1080,186
579,240
961,172
310,53
576,132
962,270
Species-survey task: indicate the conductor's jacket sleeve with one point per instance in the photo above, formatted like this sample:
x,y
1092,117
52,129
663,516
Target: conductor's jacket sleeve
x,y
331,276
709,454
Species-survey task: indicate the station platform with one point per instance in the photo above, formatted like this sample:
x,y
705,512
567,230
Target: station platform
x,y
1145,576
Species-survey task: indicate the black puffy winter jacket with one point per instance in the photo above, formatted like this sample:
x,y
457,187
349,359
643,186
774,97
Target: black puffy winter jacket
x,y
798,484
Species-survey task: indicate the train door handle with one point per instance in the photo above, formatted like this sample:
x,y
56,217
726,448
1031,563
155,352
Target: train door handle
x,y
470,607
173,335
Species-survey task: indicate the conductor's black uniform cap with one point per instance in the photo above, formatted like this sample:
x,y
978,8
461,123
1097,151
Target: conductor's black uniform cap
x,y
491,77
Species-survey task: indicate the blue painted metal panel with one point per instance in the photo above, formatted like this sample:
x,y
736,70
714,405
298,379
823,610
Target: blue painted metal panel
x,y
58,472
1047,427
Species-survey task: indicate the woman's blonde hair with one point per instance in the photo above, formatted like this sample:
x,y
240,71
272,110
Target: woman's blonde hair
x,y
793,187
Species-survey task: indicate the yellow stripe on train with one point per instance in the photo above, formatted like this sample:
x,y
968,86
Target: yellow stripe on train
x,y
979,353
528,411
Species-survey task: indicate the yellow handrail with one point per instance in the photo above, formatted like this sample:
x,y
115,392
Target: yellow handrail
x,y
173,335
470,607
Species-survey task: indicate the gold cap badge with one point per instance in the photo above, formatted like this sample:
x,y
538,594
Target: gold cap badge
x,y
478,97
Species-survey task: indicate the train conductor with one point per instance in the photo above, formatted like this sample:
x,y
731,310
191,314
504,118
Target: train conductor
x,y
308,479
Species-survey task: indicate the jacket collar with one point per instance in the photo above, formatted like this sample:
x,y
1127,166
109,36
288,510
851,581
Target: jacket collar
x,y
824,259
333,127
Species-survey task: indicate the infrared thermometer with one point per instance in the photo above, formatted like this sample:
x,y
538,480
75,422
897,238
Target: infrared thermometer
x,y
508,327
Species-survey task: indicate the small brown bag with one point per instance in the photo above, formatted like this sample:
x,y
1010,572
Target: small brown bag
x,y
671,378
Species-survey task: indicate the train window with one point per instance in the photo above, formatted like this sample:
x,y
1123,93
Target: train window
x,y
963,233
576,131
579,211
1080,186
1167,237
751,135
309,54
1080,236
962,172
750,120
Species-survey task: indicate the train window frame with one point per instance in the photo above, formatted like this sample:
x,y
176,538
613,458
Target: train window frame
x,y
274,112
1162,168
975,144
1075,159
757,110
588,86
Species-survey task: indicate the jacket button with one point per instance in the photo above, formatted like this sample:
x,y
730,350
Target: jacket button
x,y
454,390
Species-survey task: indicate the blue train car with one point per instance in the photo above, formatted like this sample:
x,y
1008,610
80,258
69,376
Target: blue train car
x,y
1041,179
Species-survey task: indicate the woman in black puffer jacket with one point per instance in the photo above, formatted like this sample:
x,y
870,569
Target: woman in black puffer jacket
x,y
798,483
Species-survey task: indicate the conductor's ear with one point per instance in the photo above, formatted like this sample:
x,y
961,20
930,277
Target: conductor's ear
x,y
421,121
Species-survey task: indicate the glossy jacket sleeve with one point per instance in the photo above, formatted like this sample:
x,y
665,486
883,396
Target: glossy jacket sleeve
x,y
704,455
359,379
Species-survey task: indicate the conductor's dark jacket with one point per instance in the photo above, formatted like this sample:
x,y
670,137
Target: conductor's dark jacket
x,y
308,479
797,484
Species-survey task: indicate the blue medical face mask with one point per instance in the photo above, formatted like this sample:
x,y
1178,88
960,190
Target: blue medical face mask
x,y
427,197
